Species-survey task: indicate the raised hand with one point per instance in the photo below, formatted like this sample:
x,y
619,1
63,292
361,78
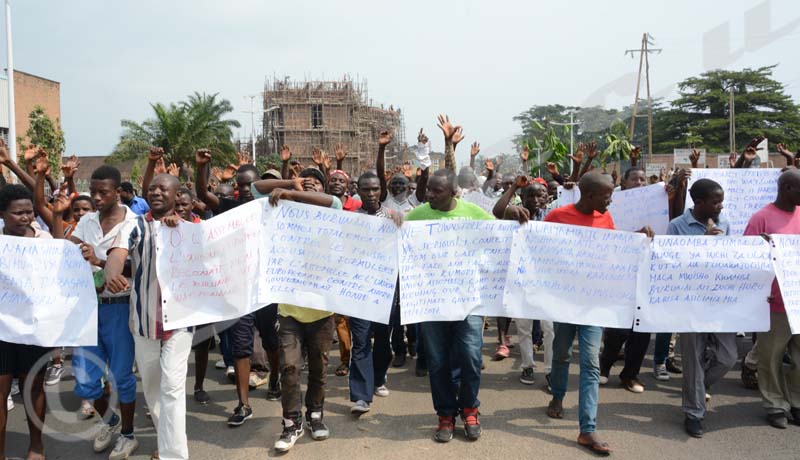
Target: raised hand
x,y
173,170
447,128
244,158
140,183
316,157
384,138
70,166
577,157
518,213
694,157
458,135
750,153
286,153
160,167
32,152
229,173
475,149
783,150
498,161
326,160
552,168
421,137
591,150
614,176
489,165
636,152
521,181
407,170
41,166
339,152
732,159
524,154
216,173
155,153
202,157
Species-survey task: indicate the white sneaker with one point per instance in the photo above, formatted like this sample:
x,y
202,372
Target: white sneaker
x,y
9,404
360,407
660,372
14,387
106,434
123,448
289,436
86,411
230,372
220,364
603,379
382,391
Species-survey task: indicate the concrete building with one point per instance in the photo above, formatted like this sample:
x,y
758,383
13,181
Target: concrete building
x,y
29,91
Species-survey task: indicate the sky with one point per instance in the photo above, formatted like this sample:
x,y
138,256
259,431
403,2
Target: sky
x,y
480,62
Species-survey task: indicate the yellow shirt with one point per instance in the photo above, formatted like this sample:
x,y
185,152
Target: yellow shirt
x,y
302,314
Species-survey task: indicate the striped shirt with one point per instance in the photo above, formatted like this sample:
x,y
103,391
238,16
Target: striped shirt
x,y
139,237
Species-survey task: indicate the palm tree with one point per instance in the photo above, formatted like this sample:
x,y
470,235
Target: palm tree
x,y
180,129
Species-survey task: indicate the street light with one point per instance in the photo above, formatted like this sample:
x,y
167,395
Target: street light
x,y
252,113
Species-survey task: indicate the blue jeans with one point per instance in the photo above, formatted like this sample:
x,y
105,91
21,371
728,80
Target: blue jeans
x,y
661,349
449,345
115,349
368,362
589,338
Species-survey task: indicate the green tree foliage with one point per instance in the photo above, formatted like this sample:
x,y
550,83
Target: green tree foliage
x,y
701,112
45,133
180,129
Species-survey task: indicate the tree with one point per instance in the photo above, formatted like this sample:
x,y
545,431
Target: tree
x,y
45,133
701,112
180,129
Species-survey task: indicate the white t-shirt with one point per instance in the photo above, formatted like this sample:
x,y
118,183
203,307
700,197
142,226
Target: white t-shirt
x,y
89,231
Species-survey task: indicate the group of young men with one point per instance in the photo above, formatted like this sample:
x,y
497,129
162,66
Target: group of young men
x,y
116,232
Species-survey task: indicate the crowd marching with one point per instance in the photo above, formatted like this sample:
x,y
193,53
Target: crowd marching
x,y
115,231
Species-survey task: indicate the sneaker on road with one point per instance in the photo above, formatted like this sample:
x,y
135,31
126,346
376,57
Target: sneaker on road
x,y
290,434
604,376
660,372
105,436
202,397
633,385
9,404
123,448
53,374
472,427
444,431
86,411
673,368
274,391
399,360
230,373
360,407
382,391
501,352
14,387
319,431
220,364
527,376
240,415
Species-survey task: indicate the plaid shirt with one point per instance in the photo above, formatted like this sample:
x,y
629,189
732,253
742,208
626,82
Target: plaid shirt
x,y
139,238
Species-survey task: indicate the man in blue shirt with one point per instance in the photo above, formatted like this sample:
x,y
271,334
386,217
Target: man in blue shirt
x,y
707,357
138,205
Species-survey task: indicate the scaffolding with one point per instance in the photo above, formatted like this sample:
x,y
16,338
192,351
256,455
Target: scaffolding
x,y
320,114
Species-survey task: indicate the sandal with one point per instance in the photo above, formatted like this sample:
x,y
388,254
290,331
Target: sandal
x,y
597,447
342,370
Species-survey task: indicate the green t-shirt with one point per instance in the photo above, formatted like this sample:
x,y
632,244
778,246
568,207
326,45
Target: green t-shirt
x,y
463,211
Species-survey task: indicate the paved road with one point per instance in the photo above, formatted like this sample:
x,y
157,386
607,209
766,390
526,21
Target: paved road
x,y
647,426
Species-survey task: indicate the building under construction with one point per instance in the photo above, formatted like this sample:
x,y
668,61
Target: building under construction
x,y
320,114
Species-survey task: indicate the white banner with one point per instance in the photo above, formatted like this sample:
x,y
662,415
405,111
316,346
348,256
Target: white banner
x,y
450,269
331,260
707,284
208,271
786,260
746,191
578,275
481,199
634,208
47,294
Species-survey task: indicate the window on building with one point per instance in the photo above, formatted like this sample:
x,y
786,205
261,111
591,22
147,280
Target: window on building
x,y
316,116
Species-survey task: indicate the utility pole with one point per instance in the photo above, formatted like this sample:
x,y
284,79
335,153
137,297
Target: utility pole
x,y
12,119
644,53
572,124
732,120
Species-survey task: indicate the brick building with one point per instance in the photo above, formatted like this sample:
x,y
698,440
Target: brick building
x,y
29,91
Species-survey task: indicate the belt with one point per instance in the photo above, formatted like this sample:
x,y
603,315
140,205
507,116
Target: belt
x,y
113,300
